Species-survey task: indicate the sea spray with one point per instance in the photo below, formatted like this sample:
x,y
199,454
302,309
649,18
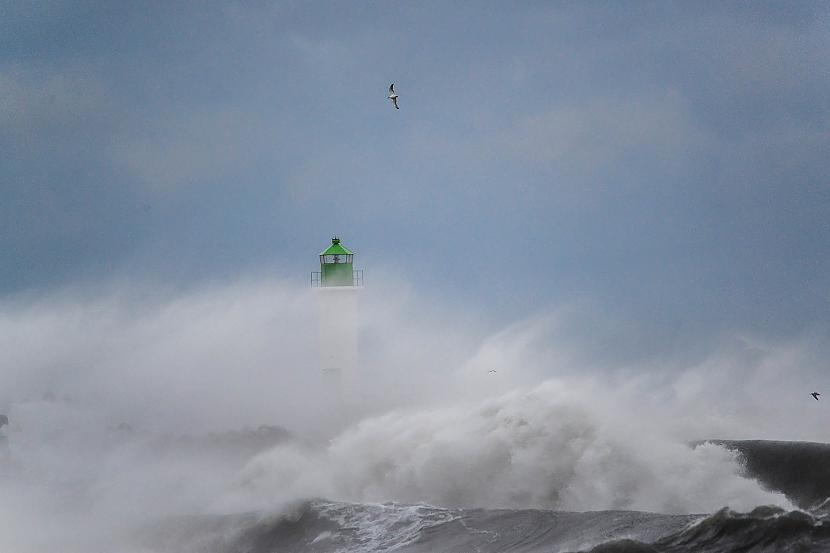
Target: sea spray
x,y
544,447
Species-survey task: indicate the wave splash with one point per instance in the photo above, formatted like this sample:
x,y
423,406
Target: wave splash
x,y
549,448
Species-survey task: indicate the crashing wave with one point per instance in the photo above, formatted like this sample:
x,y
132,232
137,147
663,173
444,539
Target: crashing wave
x,y
542,448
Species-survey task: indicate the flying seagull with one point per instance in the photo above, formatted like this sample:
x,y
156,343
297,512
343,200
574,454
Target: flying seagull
x,y
392,96
492,371
815,395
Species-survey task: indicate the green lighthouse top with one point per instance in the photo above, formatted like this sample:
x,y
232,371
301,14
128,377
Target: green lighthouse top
x,y
336,248
336,268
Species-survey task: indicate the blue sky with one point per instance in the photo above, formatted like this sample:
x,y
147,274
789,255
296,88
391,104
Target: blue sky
x,y
666,162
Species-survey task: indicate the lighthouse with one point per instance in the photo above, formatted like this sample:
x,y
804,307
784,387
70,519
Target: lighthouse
x,y
337,285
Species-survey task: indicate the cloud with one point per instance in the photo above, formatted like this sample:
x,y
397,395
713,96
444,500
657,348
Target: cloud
x,y
41,102
608,134
188,147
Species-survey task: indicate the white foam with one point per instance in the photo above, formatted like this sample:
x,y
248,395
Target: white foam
x,y
383,527
544,447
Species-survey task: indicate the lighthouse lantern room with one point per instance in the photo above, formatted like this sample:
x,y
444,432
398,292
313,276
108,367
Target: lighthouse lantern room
x,y
336,267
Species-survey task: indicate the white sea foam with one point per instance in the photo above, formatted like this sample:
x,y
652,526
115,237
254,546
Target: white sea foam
x,y
545,447
383,527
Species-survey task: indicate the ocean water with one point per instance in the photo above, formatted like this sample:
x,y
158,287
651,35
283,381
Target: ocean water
x,y
328,527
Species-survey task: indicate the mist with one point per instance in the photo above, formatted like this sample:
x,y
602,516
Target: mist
x,y
131,406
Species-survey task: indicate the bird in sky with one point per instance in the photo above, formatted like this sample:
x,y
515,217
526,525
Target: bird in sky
x,y
492,371
392,96
815,395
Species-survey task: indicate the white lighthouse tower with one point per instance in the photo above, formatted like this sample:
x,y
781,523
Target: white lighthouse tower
x,y
337,286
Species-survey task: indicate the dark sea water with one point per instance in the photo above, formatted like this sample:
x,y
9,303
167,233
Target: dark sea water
x,y
328,527
799,470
